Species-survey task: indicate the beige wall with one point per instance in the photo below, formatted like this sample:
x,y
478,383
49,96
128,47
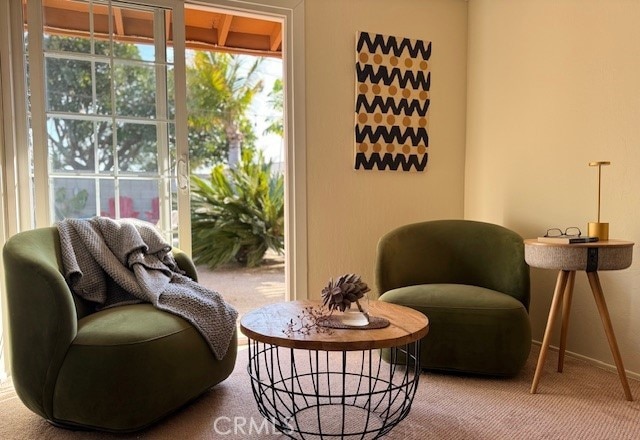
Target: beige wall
x,y
349,210
553,85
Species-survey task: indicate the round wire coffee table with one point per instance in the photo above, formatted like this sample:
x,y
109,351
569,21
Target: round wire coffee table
x,y
334,383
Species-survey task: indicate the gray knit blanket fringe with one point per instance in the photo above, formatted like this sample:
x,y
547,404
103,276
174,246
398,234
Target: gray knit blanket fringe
x,y
117,262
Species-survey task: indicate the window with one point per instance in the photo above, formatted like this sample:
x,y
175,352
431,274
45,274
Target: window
x,y
104,113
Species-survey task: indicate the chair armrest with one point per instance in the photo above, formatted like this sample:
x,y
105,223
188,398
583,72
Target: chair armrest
x,y
42,318
185,263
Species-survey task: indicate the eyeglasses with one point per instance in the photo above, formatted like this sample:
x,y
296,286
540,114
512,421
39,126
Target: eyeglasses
x,y
572,231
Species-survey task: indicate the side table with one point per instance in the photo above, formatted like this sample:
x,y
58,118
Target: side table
x,y
333,384
567,259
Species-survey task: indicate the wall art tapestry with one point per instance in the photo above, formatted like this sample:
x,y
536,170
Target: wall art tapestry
x,y
392,101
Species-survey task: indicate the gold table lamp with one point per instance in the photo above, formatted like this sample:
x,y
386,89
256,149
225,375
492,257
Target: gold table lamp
x,y
598,229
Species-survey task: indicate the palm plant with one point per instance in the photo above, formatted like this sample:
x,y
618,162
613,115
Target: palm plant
x,y
238,214
221,89
276,100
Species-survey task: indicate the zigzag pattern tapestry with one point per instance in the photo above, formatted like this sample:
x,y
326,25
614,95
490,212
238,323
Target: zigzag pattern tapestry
x,y
392,100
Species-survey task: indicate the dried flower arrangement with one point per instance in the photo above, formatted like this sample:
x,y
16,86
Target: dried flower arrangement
x,y
338,295
308,322
348,289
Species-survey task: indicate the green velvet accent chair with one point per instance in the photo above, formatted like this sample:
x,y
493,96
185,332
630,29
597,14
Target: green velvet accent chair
x,y
472,282
120,369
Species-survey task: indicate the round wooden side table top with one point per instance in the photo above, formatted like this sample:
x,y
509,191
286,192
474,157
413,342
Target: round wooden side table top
x,y
268,323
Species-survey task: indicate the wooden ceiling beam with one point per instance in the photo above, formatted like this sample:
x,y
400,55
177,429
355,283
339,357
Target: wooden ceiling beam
x,y
206,29
167,25
276,37
223,30
118,22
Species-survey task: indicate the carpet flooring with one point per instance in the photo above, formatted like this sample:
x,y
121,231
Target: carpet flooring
x,y
584,402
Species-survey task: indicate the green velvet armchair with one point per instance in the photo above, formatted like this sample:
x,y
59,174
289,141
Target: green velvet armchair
x,y
119,369
472,282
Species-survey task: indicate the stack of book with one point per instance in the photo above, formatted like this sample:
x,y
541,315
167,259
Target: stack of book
x,y
568,239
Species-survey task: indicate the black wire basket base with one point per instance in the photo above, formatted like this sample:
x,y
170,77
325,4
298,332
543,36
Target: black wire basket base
x,y
330,395
321,419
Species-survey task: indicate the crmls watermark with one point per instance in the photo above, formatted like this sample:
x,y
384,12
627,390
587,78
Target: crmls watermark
x,y
245,426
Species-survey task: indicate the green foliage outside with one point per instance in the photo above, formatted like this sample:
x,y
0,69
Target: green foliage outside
x,y
276,100
220,90
69,89
69,207
237,214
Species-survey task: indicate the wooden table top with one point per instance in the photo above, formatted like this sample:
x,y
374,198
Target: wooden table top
x,y
267,324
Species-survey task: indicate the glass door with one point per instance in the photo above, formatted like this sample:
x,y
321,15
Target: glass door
x,y
109,135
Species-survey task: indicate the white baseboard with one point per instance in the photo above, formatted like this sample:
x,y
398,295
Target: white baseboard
x,y
594,362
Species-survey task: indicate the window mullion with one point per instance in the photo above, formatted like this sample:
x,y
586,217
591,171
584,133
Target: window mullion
x,y
114,111
164,189
182,148
16,160
37,81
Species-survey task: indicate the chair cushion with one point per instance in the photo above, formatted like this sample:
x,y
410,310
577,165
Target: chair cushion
x,y
131,365
471,329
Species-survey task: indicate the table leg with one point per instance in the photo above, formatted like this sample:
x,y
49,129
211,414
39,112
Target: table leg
x,y
561,284
566,310
596,288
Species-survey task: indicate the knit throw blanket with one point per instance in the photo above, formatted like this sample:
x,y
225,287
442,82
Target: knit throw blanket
x,y
116,262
